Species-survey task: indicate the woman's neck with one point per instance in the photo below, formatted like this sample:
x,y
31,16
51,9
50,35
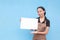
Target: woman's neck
x,y
42,19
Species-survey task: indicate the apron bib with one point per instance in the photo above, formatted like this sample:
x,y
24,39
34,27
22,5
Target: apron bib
x,y
41,28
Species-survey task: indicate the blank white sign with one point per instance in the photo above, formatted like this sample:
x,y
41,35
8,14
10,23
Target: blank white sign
x,y
29,23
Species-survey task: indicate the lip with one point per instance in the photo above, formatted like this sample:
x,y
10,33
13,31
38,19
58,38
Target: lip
x,y
39,14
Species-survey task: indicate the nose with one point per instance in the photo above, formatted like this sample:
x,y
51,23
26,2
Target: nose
x,y
40,13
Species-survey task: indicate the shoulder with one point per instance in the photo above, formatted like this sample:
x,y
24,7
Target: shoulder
x,y
47,22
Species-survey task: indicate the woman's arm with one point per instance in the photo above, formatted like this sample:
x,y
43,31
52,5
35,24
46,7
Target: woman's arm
x,y
45,32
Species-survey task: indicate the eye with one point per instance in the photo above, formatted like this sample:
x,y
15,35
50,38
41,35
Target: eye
x,y
39,11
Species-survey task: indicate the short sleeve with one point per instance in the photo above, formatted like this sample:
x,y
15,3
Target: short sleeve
x,y
47,23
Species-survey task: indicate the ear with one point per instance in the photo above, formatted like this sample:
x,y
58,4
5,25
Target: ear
x,y
44,12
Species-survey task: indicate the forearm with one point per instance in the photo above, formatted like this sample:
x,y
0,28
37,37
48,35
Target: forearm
x,y
45,32
36,32
41,32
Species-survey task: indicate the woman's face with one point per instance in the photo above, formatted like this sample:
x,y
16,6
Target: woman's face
x,y
40,12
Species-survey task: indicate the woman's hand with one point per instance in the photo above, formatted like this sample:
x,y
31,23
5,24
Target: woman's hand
x,y
34,32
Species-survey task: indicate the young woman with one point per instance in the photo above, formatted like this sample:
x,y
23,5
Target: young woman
x,y
43,25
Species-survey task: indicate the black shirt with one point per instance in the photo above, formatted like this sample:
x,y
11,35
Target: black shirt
x,y
47,21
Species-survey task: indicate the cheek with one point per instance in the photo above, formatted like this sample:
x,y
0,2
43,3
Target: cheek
x,y
42,13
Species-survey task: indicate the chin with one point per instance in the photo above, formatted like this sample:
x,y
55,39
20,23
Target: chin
x,y
41,16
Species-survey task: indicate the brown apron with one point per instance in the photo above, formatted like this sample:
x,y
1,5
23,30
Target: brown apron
x,y
41,28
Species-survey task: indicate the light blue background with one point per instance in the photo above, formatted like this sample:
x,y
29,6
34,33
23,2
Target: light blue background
x,y
12,10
